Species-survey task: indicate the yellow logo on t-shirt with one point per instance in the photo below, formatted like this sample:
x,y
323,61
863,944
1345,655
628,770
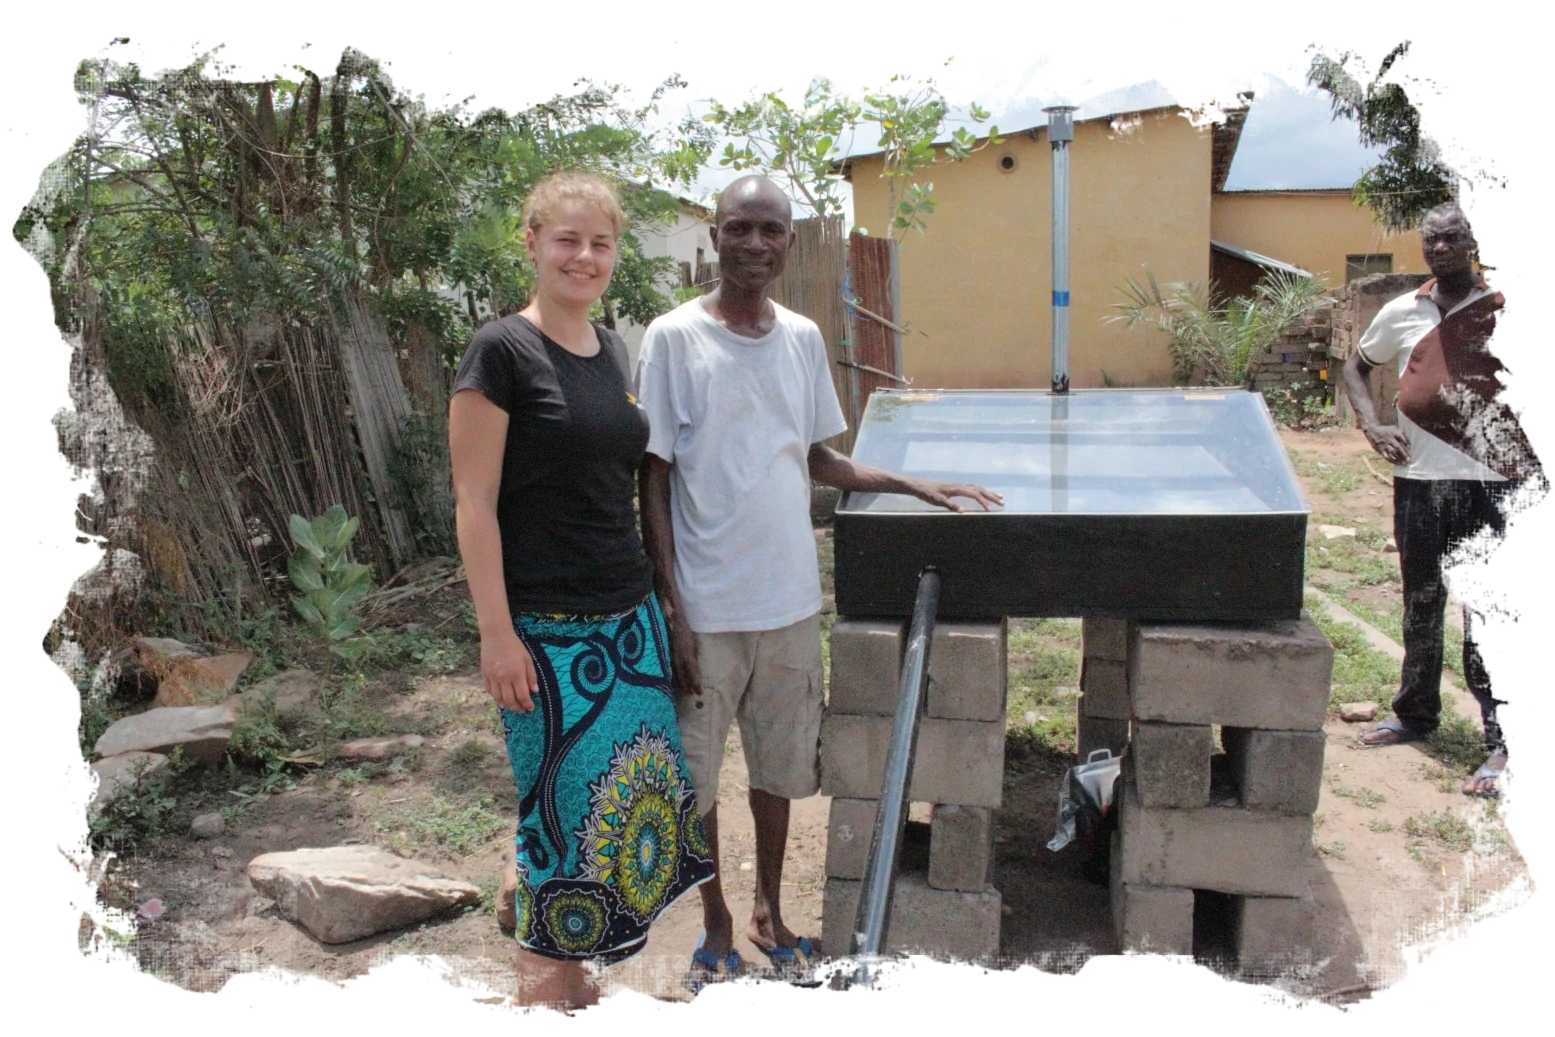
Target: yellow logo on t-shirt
x,y
631,399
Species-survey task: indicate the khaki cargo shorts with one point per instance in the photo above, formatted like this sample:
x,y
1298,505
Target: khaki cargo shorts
x,y
772,681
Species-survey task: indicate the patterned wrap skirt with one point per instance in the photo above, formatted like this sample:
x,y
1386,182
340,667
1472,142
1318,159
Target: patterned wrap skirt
x,y
608,830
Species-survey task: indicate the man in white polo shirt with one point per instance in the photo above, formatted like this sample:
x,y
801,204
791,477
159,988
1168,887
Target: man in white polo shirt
x,y
1458,453
739,397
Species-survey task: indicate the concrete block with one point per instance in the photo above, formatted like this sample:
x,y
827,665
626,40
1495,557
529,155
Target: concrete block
x,y
1280,771
943,924
866,662
848,830
1225,849
1100,733
851,827
961,848
1104,683
958,762
1273,934
1157,919
1273,676
967,671
1102,638
1171,762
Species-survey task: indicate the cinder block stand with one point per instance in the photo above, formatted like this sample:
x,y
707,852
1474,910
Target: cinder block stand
x,y
944,904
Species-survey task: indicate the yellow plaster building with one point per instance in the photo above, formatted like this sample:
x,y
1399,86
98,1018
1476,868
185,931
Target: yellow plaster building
x,y
1322,232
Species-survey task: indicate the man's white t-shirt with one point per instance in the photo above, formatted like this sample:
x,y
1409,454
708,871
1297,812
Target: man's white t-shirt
x,y
1399,325
736,417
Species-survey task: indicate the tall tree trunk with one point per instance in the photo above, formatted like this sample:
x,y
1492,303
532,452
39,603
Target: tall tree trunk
x,y
338,97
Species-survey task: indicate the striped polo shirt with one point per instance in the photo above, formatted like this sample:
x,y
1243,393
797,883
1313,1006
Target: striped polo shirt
x,y
1449,387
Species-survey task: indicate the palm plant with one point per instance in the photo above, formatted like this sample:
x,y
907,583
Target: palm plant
x,y
1216,345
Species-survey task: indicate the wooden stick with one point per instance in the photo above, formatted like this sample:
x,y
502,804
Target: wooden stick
x,y
1378,475
1355,988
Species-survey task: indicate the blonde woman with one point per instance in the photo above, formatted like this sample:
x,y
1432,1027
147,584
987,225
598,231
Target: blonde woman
x,y
546,439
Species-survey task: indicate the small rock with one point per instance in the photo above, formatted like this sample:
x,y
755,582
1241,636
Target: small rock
x,y
1391,547
1031,716
378,748
221,851
1358,712
747,866
1335,532
293,693
507,890
405,852
344,893
151,910
1006,910
207,826
203,731
117,773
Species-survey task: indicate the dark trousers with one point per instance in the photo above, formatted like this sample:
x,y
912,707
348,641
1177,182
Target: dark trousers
x,y
1432,517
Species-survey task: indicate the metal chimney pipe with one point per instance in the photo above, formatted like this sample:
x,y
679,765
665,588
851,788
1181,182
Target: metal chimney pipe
x,y
1060,132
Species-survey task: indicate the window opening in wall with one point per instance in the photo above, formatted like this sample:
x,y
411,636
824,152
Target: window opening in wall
x,y
1368,263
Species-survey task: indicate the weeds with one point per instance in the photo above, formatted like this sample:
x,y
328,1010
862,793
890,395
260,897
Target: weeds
x,y
1044,674
1331,851
1379,825
465,769
1446,830
1485,914
117,936
445,826
143,811
1361,673
1367,798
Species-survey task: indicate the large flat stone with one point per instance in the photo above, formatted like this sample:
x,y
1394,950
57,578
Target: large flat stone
x,y
202,731
115,774
1266,675
293,694
958,762
345,893
187,678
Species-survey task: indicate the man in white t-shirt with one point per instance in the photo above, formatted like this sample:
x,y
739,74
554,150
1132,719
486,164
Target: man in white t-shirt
x,y
1458,452
739,397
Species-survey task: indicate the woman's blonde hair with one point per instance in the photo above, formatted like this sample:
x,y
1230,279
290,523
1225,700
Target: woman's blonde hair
x,y
556,190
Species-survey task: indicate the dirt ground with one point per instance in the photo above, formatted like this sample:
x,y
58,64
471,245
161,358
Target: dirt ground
x,y
1399,852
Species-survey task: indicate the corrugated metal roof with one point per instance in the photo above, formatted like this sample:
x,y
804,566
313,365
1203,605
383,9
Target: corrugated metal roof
x,y
1259,259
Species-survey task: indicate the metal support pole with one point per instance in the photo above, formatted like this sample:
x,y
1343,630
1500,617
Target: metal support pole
x,y
874,902
1060,132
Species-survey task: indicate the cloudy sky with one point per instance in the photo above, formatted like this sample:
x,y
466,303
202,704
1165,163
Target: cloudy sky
x,y
1289,140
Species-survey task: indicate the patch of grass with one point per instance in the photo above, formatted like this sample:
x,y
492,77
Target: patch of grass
x,y
98,714
1484,914
1445,829
422,651
1332,851
1367,798
117,936
1334,479
140,813
1365,567
1379,825
445,827
1044,662
465,769
1443,779
1361,673
1457,742
346,713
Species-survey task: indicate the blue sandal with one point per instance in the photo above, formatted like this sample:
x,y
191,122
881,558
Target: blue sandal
x,y
1470,787
1395,727
793,963
707,967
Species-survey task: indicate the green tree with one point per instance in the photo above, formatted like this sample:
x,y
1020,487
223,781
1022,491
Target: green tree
x,y
801,147
1410,179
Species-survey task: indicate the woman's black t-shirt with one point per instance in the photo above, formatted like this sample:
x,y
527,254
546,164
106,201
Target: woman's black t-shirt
x,y
570,542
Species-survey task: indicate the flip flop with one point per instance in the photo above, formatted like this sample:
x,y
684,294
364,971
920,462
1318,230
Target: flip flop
x,y
793,963
1396,727
1485,771
713,969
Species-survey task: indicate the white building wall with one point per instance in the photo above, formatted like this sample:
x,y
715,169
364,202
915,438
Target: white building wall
x,y
679,241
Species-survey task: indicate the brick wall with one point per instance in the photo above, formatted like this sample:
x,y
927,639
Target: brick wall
x,y
1309,358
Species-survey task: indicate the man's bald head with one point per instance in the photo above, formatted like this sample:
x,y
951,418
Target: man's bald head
x,y
757,189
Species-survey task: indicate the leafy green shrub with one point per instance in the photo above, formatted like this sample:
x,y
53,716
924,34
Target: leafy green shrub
x,y
331,584
139,813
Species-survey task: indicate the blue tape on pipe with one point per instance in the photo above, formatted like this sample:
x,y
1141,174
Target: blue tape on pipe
x,y
1060,298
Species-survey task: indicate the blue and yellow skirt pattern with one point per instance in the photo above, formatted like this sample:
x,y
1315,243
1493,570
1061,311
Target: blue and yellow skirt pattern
x,y
608,831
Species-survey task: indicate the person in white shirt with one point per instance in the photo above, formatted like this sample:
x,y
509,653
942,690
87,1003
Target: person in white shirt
x,y
739,396
1458,452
